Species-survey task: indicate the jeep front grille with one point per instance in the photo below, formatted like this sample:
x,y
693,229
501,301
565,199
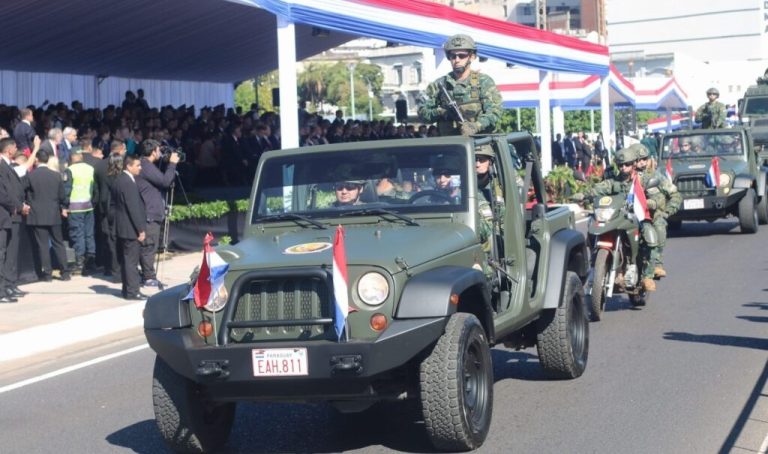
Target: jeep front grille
x,y
282,309
693,185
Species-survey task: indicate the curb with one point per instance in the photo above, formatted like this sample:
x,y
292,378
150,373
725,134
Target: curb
x,y
44,338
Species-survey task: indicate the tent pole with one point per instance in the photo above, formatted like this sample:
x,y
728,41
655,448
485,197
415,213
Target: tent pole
x,y
289,100
545,129
605,112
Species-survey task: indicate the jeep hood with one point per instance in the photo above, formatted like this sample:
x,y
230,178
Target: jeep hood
x,y
371,245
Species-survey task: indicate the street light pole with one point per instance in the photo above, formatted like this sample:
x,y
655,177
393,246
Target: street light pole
x,y
351,67
370,100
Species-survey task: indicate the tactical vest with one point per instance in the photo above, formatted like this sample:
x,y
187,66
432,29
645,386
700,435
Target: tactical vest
x,y
467,96
82,182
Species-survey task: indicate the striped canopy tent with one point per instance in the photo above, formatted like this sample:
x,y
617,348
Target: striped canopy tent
x,y
655,93
570,92
427,24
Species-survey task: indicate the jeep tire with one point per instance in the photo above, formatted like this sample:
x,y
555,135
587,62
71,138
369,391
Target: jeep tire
x,y
762,209
597,296
186,421
748,212
456,384
563,333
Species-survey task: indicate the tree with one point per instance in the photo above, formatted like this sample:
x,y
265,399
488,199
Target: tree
x,y
245,93
509,120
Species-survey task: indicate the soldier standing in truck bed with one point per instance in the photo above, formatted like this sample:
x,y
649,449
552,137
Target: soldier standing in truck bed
x,y
476,97
711,114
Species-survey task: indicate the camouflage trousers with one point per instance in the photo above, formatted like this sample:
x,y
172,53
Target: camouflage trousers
x,y
653,256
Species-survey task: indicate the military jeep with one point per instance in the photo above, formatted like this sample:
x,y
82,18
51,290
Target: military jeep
x,y
694,157
427,297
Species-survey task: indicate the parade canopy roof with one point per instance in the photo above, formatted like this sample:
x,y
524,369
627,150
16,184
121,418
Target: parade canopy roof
x,y
427,24
653,95
571,93
233,40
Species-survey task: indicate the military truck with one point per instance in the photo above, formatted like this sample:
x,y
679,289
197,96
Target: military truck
x,y
753,113
427,296
718,175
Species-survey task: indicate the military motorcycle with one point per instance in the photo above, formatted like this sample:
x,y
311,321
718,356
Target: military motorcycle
x,y
615,236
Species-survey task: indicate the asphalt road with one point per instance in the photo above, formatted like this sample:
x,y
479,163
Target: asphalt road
x,y
682,375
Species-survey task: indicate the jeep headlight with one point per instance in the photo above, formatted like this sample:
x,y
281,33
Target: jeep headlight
x,y
373,289
218,300
725,180
604,214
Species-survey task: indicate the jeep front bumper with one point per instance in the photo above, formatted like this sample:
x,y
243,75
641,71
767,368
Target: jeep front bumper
x,y
334,369
708,207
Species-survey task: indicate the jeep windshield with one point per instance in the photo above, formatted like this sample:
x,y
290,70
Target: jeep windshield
x,y
328,184
755,105
704,144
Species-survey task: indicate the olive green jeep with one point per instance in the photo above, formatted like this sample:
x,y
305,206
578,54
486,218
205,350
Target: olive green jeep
x,y
427,297
718,175
753,113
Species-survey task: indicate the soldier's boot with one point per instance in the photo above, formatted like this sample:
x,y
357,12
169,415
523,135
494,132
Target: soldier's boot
x,y
649,284
659,272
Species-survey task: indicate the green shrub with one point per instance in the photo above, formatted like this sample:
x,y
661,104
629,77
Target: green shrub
x,y
207,210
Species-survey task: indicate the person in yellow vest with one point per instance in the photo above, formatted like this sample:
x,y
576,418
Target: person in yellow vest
x,y
80,191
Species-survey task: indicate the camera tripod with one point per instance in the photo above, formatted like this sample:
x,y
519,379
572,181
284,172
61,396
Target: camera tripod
x,y
163,247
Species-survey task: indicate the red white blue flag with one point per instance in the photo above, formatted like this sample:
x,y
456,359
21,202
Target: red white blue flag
x,y
210,278
340,283
713,175
637,201
670,173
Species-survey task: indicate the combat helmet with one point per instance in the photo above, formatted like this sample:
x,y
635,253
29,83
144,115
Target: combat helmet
x,y
641,152
713,91
460,42
484,150
626,156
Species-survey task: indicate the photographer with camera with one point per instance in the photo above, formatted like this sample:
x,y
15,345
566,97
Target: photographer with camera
x,y
711,114
153,184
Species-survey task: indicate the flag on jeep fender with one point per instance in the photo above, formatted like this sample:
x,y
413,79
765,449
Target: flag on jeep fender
x,y
713,175
636,198
670,173
210,278
340,283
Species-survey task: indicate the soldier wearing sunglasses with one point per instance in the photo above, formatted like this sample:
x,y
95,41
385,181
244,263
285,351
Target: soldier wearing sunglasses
x,y
475,95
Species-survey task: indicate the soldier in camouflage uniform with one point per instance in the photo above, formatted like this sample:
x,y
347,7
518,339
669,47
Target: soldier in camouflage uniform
x,y
663,201
475,94
712,113
621,184
491,205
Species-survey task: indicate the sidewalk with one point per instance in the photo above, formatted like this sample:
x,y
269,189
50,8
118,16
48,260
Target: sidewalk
x,y
62,313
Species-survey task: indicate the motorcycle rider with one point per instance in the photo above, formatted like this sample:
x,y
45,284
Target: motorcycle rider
x,y
663,201
621,184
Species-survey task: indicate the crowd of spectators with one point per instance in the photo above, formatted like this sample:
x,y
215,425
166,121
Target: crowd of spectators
x,y
221,145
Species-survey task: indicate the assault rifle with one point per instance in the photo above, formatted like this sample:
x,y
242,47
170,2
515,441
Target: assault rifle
x,y
451,102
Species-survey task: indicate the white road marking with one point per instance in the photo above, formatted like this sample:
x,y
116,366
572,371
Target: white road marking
x,y
72,368
764,446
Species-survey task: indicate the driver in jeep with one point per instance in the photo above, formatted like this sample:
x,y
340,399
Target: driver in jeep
x,y
348,192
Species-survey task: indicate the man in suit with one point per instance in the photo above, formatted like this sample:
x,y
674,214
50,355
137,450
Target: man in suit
x,y
12,209
65,147
51,144
131,222
45,196
558,158
152,185
24,133
569,150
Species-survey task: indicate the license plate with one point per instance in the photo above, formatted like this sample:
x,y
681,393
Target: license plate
x,y
693,204
279,362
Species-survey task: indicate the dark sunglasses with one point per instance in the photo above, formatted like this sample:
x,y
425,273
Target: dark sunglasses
x,y
459,55
347,186
627,164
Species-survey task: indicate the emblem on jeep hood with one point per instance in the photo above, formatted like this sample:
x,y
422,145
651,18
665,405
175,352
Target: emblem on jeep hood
x,y
307,248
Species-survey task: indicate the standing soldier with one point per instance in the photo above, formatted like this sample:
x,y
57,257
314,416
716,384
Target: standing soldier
x,y
462,101
663,201
712,113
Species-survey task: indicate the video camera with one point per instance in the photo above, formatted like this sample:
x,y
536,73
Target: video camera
x,y
166,152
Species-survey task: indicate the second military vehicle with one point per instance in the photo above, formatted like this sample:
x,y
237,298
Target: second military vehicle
x,y
427,294
718,175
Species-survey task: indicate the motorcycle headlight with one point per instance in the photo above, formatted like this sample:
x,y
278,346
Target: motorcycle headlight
x,y
373,289
218,301
725,180
604,214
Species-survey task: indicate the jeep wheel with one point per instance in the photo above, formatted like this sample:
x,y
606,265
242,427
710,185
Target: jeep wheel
x,y
599,280
762,209
563,338
748,212
187,422
457,386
